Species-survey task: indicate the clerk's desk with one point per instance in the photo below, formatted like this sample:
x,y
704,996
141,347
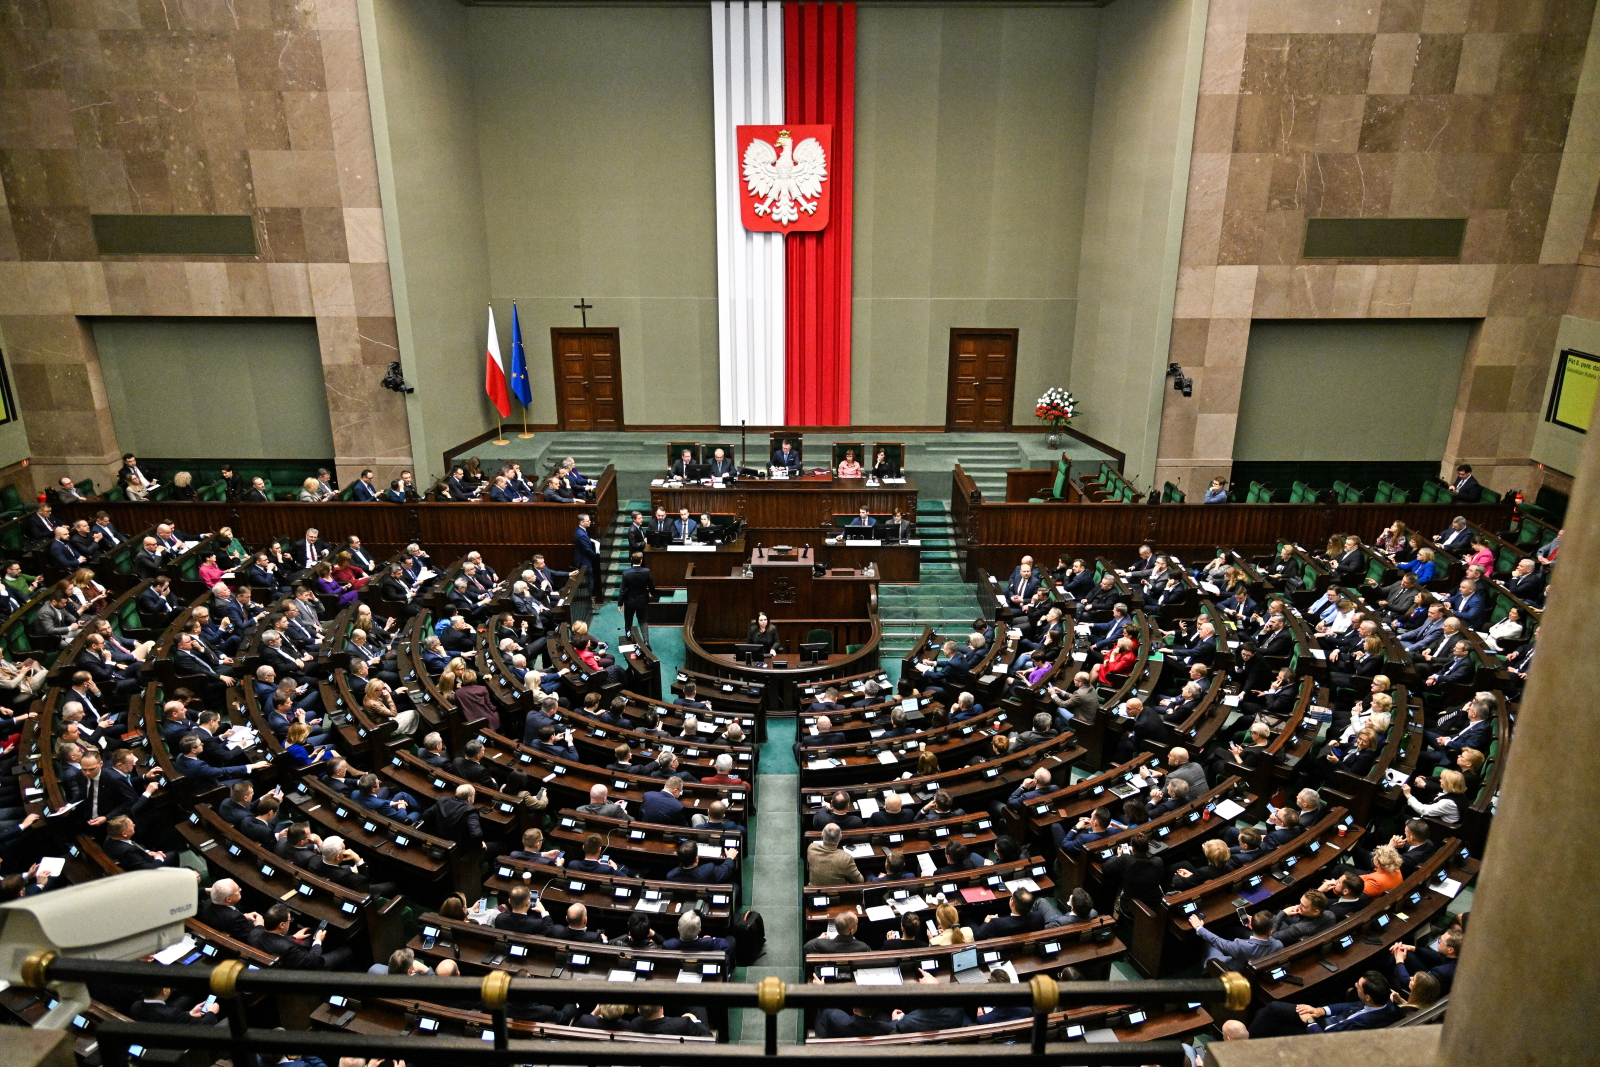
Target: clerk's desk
x,y
771,504
843,602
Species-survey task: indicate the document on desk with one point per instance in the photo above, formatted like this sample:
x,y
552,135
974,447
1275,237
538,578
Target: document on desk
x,y
912,904
708,852
998,599
972,894
173,953
1449,887
925,862
652,906
878,976
1023,883
687,977
822,764
888,757
619,975
1229,809
867,806
860,852
880,913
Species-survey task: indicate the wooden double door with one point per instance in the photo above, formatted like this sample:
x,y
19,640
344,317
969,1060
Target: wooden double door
x,y
588,369
983,380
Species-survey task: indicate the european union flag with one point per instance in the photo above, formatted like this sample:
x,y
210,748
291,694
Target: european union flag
x,y
519,362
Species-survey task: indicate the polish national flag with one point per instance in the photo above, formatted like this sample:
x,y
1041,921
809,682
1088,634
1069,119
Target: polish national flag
x,y
494,373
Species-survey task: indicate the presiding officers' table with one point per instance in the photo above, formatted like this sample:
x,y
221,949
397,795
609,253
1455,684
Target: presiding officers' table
x,y
805,511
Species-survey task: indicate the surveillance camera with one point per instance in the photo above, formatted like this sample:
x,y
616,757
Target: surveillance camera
x,y
126,917
396,381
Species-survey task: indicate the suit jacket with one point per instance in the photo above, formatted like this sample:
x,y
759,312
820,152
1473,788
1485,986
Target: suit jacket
x,y
130,856
662,807
707,873
225,918
523,923
1467,490
453,819
1003,926
584,549
720,468
291,953
1477,735
830,865
363,493
638,586
305,555
1354,1015
791,460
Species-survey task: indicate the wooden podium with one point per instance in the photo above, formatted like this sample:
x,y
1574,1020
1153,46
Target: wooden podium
x,y
800,599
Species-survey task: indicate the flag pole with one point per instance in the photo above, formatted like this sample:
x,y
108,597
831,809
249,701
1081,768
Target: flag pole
x,y
524,435
500,433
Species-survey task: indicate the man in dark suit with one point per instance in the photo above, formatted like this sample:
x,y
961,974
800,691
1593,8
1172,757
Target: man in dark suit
x,y
39,526
1372,1010
1304,919
1006,925
1456,537
61,554
844,939
787,458
1526,583
839,809
455,818
864,519
720,465
205,775
127,853
690,869
1469,605
306,553
824,735
586,557
364,492
1465,489
637,590
303,951
653,1019
663,806
577,927
158,1006
522,915
1443,749
638,535
219,910
1457,670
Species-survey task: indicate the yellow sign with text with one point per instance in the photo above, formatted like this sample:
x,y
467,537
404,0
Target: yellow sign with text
x,y
1572,399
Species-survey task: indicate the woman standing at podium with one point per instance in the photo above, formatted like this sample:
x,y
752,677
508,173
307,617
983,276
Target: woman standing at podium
x,y
763,633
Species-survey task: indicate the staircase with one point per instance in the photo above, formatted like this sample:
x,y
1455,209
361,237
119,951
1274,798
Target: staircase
x,y
614,553
940,598
985,460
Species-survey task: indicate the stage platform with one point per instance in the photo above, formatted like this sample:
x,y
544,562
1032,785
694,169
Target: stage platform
x,y
930,455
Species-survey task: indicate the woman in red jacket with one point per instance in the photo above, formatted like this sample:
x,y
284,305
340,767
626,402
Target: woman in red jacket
x,y
1119,662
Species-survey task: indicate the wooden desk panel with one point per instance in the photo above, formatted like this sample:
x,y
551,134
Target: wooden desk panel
x,y
506,534
728,601
668,567
794,504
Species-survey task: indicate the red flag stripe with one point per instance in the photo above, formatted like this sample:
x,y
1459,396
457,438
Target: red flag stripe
x,y
820,70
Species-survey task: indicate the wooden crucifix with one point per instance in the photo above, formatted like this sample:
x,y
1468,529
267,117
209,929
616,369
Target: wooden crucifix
x,y
583,307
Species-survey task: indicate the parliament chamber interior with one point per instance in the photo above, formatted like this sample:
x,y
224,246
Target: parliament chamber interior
x,y
375,688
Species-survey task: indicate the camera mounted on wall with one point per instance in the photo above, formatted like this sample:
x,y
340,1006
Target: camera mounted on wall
x,y
396,381
1180,382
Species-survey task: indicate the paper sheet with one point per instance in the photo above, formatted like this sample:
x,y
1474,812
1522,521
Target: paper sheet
x,y
173,953
878,976
867,806
888,757
1449,887
925,862
1229,809
859,851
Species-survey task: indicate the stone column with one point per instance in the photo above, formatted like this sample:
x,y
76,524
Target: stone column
x,y
1528,988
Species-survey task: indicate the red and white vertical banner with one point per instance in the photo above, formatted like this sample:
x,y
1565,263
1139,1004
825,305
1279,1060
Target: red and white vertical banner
x,y
820,89
747,87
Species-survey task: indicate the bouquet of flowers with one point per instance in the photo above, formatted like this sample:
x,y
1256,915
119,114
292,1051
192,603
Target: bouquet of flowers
x,y
1056,407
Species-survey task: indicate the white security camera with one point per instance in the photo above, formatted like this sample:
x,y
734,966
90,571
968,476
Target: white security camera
x,y
124,917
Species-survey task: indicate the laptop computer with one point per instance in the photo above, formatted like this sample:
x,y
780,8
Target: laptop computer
x,y
966,967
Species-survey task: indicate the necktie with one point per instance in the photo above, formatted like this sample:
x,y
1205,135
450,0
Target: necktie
x,y
94,797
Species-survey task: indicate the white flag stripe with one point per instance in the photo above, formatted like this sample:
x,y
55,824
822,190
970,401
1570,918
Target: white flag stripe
x,y
747,72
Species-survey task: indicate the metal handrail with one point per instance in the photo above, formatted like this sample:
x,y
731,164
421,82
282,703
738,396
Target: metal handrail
x,y
230,981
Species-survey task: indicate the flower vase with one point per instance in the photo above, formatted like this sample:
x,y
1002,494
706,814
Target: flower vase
x,y
1053,440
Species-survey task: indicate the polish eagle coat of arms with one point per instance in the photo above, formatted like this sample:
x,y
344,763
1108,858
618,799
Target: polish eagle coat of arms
x,y
785,177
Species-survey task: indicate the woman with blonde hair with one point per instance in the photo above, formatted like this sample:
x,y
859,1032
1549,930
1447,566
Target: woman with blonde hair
x,y
1446,801
378,703
951,932
1386,872
87,594
310,492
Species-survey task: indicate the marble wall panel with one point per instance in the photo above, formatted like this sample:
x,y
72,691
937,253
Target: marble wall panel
x,y
252,107
1389,108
